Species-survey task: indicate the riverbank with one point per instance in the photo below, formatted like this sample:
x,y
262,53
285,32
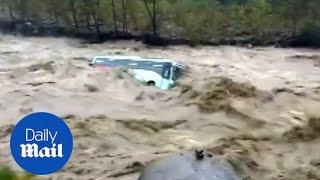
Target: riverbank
x,y
89,35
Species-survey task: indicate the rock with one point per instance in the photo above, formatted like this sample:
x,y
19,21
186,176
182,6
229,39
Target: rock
x,y
187,166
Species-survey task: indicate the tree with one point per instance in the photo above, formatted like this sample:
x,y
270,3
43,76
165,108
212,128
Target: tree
x,y
9,4
54,8
153,15
114,15
295,11
314,13
124,16
258,16
74,12
96,19
197,19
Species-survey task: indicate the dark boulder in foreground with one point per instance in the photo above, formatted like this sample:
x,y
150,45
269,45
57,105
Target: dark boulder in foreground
x,y
189,166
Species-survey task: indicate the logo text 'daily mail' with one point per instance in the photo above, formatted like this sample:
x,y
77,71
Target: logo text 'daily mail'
x,y
41,143
33,150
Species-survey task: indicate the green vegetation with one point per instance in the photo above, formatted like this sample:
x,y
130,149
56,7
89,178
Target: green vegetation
x,y
8,174
195,20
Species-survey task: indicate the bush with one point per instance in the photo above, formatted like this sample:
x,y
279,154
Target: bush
x,y
312,34
8,174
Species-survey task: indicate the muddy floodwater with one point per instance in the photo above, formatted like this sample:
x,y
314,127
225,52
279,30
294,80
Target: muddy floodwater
x,y
259,108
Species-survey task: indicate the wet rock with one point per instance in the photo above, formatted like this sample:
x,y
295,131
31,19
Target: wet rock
x,y
186,166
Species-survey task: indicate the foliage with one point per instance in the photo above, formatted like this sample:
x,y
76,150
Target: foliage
x,y
8,174
195,20
312,33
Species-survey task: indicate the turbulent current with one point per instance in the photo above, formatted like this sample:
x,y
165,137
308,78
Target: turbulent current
x,y
258,109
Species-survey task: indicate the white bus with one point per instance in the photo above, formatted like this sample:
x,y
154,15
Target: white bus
x,y
161,73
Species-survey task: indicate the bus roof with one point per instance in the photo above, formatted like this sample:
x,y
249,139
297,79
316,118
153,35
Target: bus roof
x,y
138,58
134,58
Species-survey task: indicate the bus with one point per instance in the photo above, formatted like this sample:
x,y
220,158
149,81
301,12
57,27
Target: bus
x,y
161,73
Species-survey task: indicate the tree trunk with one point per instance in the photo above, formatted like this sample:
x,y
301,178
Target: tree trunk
x,y
152,15
96,20
88,24
114,17
154,18
11,10
97,27
75,19
124,16
294,25
55,14
74,13
294,29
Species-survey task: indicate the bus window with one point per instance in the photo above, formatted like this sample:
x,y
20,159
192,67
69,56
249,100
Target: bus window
x,y
176,73
166,72
157,69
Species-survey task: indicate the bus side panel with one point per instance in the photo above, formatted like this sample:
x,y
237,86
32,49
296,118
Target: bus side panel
x,y
147,76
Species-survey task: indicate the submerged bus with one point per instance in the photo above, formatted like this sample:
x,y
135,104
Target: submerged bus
x,y
161,73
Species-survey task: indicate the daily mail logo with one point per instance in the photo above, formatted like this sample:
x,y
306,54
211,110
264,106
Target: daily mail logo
x,y
41,143
32,150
